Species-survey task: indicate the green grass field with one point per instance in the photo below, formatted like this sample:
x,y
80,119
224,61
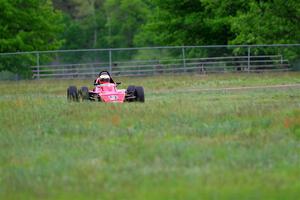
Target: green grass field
x,y
219,144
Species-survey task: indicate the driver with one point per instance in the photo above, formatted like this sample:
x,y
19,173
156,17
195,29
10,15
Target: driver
x,y
102,79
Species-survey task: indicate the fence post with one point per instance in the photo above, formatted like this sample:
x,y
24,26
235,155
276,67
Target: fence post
x,y
183,58
110,61
38,65
249,57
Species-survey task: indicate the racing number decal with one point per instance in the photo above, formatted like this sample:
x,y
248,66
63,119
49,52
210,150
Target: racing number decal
x,y
113,97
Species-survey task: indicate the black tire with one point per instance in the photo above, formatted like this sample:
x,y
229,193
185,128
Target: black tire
x,y
72,93
84,94
130,93
130,89
139,93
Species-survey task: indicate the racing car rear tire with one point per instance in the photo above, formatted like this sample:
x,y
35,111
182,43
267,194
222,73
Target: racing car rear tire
x,y
83,93
139,93
72,93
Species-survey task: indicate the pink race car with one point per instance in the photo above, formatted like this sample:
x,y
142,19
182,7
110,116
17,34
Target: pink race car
x,y
105,90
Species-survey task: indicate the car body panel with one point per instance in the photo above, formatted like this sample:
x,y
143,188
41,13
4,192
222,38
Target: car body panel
x,y
108,92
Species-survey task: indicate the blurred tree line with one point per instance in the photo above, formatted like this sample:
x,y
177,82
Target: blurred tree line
x,y
102,23
28,25
128,23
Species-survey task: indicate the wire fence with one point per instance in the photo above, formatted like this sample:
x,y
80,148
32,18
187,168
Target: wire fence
x,y
149,61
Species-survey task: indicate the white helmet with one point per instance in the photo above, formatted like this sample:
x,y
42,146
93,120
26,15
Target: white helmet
x,y
104,78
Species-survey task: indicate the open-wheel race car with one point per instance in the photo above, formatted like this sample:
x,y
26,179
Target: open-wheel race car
x,y
106,90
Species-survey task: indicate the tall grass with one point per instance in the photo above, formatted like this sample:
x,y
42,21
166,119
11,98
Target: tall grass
x,y
196,145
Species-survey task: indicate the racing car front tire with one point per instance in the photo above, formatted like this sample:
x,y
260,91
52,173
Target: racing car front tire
x,y
130,89
139,93
72,93
130,93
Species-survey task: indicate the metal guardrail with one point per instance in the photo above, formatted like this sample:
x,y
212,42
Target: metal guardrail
x,y
154,67
183,59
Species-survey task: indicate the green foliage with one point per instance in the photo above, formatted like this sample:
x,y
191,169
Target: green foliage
x,y
189,22
268,22
124,18
18,64
27,26
101,24
205,22
125,23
